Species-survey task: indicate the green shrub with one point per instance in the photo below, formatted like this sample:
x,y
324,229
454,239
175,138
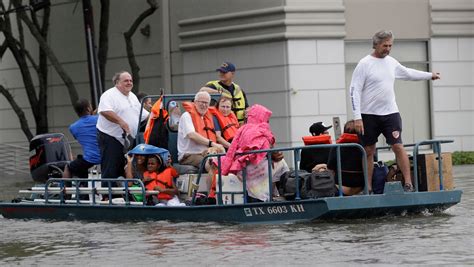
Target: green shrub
x,y
459,158
463,157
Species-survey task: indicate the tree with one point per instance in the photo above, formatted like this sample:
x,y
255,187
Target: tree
x,y
129,43
37,23
29,66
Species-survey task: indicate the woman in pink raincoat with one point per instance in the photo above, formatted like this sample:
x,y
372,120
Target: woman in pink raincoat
x,y
254,135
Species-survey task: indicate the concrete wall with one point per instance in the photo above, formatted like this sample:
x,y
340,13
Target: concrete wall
x,y
452,54
264,42
317,84
453,95
408,19
198,25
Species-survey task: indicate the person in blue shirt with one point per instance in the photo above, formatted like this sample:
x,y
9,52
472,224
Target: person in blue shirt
x,y
85,132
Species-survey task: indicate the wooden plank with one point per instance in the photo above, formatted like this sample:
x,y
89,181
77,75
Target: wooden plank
x,y
429,171
432,171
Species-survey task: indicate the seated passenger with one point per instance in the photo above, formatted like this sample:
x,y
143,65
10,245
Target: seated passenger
x,y
161,177
137,159
147,103
196,131
351,162
227,121
254,135
85,132
136,165
310,157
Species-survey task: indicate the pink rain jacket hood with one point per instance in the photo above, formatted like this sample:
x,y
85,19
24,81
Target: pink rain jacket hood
x,y
255,134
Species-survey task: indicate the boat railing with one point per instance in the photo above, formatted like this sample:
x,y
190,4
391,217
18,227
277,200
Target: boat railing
x,y
435,146
58,186
296,158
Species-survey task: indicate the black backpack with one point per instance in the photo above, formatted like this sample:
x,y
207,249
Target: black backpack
x,y
320,184
287,184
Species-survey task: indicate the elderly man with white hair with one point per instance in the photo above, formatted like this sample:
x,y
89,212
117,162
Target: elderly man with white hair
x,y
196,132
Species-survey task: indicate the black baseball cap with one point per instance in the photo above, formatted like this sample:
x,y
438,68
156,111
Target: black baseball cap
x,y
318,128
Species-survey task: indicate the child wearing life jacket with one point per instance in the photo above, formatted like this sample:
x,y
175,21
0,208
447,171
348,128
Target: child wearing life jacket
x,y
160,177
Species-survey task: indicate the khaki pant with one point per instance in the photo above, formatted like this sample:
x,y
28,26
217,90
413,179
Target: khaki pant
x,y
192,159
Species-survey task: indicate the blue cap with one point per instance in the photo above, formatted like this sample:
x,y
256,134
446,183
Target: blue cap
x,y
145,149
226,67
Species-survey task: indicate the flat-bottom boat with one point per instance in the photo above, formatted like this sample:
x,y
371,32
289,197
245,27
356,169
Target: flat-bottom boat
x,y
57,203
394,201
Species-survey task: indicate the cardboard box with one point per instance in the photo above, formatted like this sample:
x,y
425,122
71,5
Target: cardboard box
x,y
187,182
232,192
428,172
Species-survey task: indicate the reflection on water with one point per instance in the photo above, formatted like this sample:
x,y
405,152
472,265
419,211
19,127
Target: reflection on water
x,y
440,238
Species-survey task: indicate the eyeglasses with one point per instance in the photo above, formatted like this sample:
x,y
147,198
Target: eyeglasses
x,y
202,102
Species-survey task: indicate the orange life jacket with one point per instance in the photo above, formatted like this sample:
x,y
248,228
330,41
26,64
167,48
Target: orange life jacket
x,y
318,139
161,180
229,125
156,125
348,138
203,125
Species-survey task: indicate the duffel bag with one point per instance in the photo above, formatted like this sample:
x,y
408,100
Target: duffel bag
x,y
321,184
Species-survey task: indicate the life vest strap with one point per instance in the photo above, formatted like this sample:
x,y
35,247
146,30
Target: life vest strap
x,y
209,129
228,126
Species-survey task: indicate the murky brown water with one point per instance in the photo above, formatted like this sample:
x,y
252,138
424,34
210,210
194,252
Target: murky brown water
x,y
446,238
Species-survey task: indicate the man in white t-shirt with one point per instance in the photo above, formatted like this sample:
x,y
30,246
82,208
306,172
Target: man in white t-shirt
x,y
373,101
119,111
196,131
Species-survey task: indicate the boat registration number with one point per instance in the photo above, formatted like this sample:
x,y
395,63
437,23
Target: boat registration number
x,y
258,211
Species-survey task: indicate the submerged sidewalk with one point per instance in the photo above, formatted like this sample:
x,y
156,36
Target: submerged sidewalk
x,y
462,171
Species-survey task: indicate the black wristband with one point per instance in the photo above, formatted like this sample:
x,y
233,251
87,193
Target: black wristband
x,y
210,143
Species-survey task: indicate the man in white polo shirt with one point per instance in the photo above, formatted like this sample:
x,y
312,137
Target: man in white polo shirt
x,y
118,110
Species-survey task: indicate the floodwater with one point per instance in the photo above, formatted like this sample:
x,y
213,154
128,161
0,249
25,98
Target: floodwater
x,y
442,238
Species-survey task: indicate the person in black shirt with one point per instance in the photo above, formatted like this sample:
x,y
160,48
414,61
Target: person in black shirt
x,y
310,157
351,162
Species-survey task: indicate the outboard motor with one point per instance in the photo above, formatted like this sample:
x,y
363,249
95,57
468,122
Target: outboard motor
x,y
49,154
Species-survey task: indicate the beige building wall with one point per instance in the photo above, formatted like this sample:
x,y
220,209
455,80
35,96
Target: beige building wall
x,y
408,19
452,53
